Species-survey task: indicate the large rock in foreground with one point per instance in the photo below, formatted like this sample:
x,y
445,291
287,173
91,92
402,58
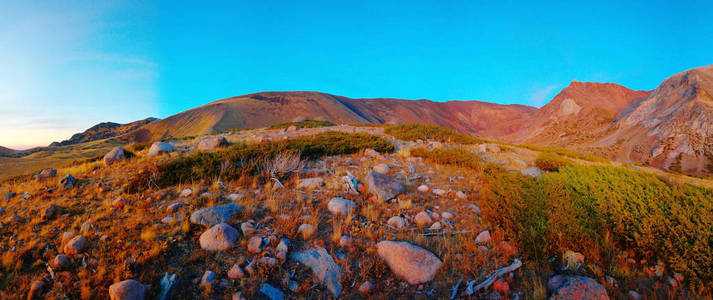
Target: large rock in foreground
x,y
160,147
211,143
210,216
115,155
323,266
576,288
220,237
383,186
127,290
409,262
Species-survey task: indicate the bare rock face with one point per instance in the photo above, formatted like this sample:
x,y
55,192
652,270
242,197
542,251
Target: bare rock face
x,y
75,245
409,262
160,147
220,237
210,216
384,187
323,266
115,155
576,288
127,290
211,143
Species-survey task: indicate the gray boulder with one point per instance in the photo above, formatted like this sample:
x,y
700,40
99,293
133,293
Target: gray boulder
x,y
211,143
532,172
409,262
115,155
127,290
323,266
160,147
68,181
576,288
384,187
210,216
340,206
46,173
220,237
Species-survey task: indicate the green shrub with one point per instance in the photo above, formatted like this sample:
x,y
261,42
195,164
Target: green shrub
x,y
459,157
246,160
566,152
413,132
303,124
551,162
602,211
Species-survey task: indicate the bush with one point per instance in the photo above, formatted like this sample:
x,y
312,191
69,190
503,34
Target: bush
x,y
602,211
303,124
244,160
459,157
413,132
566,152
551,162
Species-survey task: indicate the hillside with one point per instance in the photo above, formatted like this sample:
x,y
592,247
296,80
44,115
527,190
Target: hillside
x,y
102,131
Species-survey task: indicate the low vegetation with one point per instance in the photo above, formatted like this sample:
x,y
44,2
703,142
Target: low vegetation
x,y
303,124
609,214
551,162
459,157
413,132
566,152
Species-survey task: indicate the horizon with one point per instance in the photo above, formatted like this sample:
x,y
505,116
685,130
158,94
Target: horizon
x,y
70,66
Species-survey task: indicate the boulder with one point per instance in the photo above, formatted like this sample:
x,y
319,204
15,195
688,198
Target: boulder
x,y
409,262
68,181
60,261
323,267
75,245
127,290
220,237
310,183
211,143
397,222
576,288
422,219
382,168
340,206
384,187
51,211
160,147
210,216
46,173
115,155
532,172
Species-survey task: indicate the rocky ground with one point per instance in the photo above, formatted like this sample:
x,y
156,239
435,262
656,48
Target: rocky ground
x,y
367,225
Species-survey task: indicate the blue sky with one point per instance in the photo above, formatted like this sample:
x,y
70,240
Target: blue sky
x,y
69,65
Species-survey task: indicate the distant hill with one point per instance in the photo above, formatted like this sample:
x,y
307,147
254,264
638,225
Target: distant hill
x,y
102,131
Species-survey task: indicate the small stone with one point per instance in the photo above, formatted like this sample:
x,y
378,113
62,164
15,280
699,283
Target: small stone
x,y
127,290
483,237
368,152
461,195
51,212
220,237
439,192
382,168
271,292
68,181
345,241
174,207
397,222
256,244
633,295
306,230
436,226
210,216
238,296
422,188
366,287
532,172
447,215
75,245
422,219
236,272
185,193
384,187
340,206
282,249
323,267
576,287
236,197
212,143
168,220
572,260
310,183
208,278
60,261
248,228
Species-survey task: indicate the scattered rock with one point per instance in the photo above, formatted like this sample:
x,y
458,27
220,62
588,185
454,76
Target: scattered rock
x,y
236,272
422,219
211,143
409,262
220,237
160,147
368,152
323,266
51,211
185,193
282,248
127,290
345,241
461,195
67,181
340,206
447,215
483,237
384,187
174,207
168,220
366,287
382,168
256,244
210,216
208,278
60,261
36,289
397,222
271,292
576,287
422,188
532,172
46,173
633,295
75,245
439,192
7,196
248,227
436,226
236,197
115,155
291,128
310,183
306,230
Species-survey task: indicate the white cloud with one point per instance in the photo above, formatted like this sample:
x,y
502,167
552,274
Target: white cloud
x,y
542,95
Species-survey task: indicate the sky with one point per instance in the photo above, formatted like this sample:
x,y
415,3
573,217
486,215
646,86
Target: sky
x,y
67,65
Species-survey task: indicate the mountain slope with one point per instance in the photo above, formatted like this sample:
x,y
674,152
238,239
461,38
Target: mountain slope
x,y
102,131
269,108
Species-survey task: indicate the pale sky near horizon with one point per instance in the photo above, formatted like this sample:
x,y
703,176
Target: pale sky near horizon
x,y
67,65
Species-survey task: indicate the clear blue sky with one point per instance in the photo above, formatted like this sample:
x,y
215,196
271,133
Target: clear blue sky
x,y
69,65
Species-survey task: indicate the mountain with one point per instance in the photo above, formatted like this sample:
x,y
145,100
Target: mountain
x,y
102,131
672,128
268,108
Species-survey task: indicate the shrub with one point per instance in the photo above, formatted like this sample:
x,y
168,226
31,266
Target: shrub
x,y
413,132
551,162
243,160
303,124
602,211
566,152
459,157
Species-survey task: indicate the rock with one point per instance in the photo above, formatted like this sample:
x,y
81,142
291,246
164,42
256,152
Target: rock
x,y
160,147
422,219
51,211
633,295
572,260
67,236
461,195
483,237
435,227
220,237
236,272
323,267
366,287
174,207
3,210
168,220
384,187
86,227
345,241
447,215
46,173
409,262
210,216
368,152
75,245
9,195
291,128
256,244
67,181
397,222
271,292
439,192
248,228
185,193
236,197
36,289
167,282
422,188
310,183
306,230
382,168
60,261
208,278
211,143
115,155
282,248
532,172
127,290
118,202
576,288
340,206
